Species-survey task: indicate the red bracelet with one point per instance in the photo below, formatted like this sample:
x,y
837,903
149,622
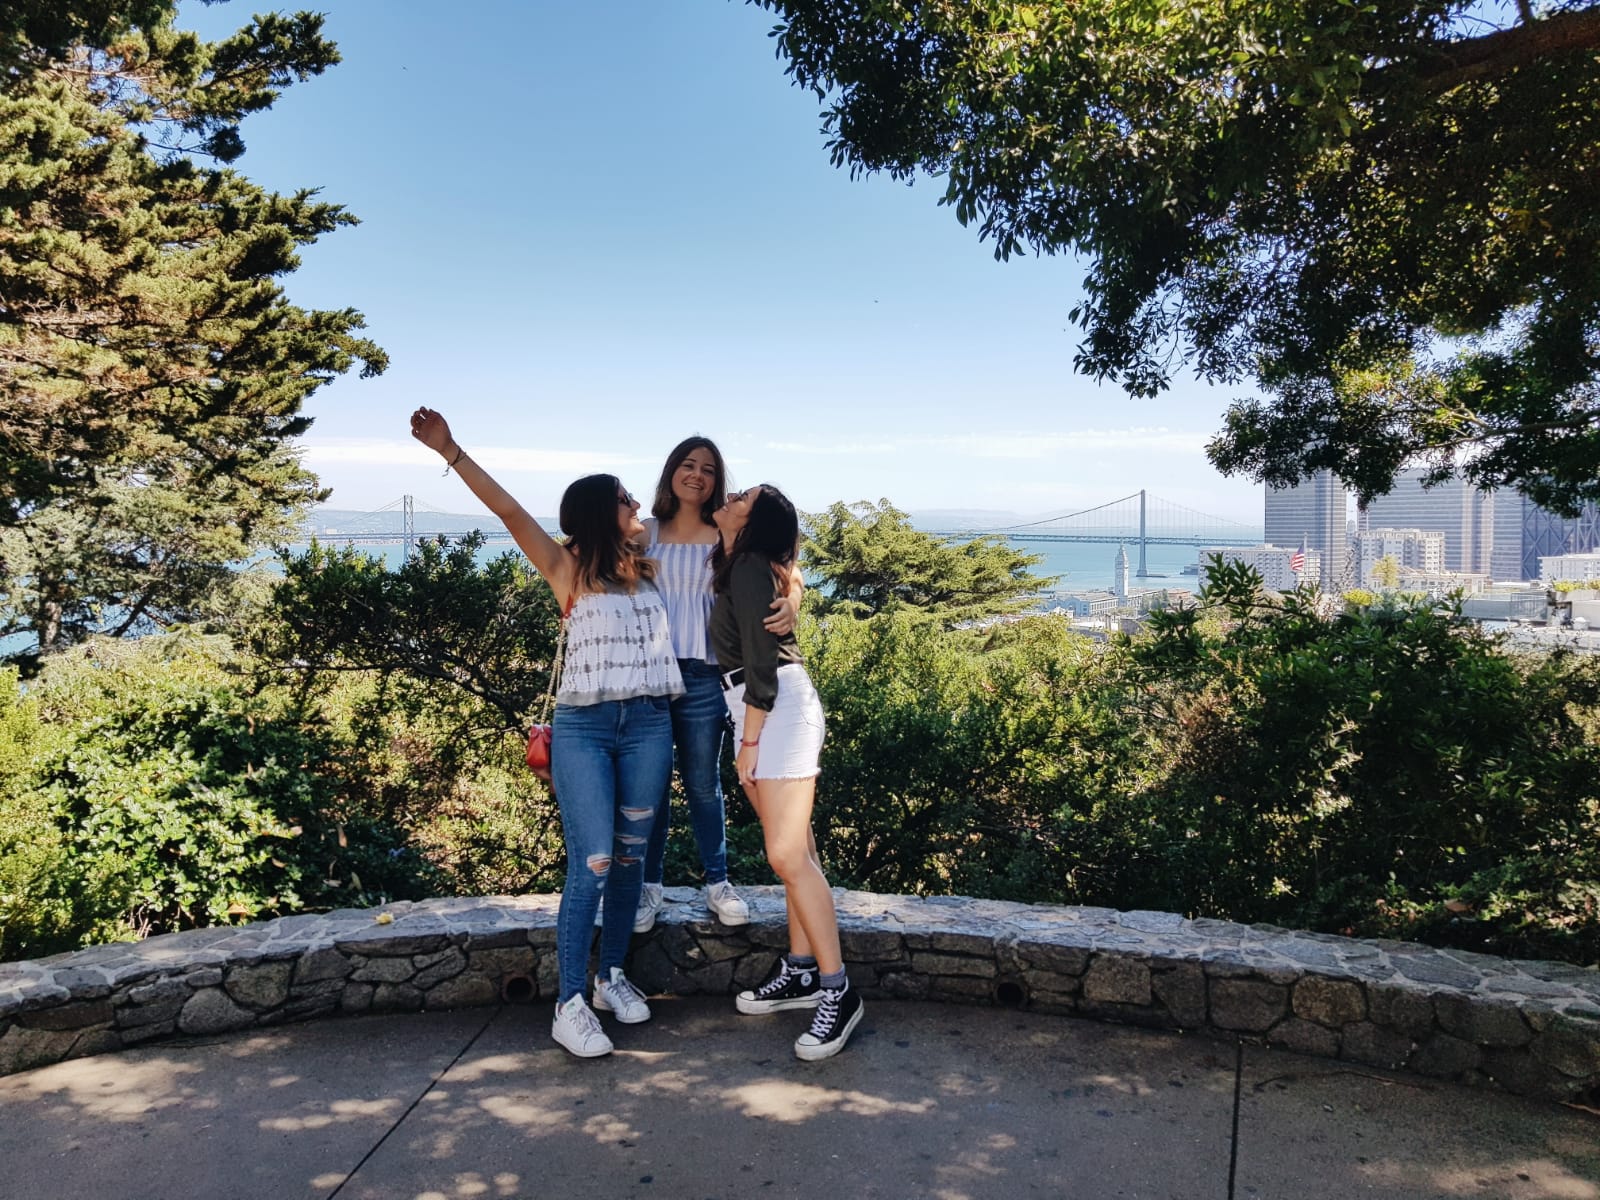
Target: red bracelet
x,y
742,742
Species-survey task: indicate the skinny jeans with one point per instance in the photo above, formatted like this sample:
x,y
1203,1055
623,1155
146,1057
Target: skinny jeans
x,y
699,721
609,763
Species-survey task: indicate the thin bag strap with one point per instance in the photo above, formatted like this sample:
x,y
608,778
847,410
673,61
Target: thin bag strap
x,y
556,661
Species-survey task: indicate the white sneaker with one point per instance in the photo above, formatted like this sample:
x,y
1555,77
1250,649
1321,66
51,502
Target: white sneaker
x,y
650,902
726,904
617,995
578,1030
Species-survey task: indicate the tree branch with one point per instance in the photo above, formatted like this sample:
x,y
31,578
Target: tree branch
x,y
1493,55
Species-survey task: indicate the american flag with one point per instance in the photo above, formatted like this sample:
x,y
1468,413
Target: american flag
x,y
1297,560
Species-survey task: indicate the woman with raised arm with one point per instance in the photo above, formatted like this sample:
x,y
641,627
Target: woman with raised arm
x,y
681,537
777,719
611,746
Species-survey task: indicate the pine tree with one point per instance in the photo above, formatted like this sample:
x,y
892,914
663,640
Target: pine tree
x,y
868,559
152,371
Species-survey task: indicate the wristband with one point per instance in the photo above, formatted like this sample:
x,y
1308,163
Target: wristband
x,y
460,452
742,742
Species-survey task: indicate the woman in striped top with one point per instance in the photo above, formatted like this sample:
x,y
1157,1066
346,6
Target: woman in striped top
x,y
681,538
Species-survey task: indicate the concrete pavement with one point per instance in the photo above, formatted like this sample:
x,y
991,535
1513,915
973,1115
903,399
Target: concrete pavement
x,y
929,1100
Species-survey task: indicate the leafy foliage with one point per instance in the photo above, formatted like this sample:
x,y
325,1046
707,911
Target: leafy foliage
x,y
868,559
489,631
154,371
1322,196
166,796
949,757
429,675
50,895
1386,769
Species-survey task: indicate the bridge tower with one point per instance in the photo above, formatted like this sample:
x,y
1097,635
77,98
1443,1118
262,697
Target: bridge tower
x,y
1142,568
408,525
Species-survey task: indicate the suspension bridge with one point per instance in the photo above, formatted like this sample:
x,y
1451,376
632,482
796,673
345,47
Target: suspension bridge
x,y
1138,519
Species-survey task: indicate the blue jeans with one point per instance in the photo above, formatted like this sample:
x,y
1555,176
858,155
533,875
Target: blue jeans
x,y
609,763
699,717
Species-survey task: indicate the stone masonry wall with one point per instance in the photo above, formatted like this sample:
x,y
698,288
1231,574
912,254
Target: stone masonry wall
x,y
1529,1027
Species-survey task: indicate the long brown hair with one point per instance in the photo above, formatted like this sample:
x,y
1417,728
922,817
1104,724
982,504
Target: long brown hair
x,y
666,504
773,532
589,519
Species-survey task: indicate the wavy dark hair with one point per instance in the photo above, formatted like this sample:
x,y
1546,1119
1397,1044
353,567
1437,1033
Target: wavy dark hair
x,y
589,519
772,532
666,505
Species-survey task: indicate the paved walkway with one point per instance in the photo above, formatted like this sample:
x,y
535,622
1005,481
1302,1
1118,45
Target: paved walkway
x,y
928,1101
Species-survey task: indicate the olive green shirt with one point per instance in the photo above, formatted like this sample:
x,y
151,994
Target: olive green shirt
x,y
738,637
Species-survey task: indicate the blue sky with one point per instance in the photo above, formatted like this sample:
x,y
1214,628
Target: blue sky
x,y
588,231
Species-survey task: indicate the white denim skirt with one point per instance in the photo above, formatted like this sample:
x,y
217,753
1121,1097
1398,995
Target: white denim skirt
x,y
791,736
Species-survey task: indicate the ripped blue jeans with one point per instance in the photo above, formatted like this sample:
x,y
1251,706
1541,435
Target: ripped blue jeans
x,y
610,763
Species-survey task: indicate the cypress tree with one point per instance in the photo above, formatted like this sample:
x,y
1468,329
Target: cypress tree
x,y
152,370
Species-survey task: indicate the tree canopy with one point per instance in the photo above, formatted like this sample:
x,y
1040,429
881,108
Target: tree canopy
x,y
1384,212
869,558
152,371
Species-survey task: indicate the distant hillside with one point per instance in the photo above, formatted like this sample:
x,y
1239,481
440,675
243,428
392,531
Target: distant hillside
x,y
965,518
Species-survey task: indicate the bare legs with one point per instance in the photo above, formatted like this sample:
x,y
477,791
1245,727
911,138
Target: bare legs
x,y
784,808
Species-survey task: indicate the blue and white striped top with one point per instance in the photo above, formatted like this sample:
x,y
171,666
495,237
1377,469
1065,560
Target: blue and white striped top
x,y
683,576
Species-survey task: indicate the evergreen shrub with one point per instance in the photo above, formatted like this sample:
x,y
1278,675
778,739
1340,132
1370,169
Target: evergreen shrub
x,y
161,792
1387,769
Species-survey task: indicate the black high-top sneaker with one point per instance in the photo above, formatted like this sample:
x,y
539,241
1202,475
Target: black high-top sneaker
x,y
838,1013
785,987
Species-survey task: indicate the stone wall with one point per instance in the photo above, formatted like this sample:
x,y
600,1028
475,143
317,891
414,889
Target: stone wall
x,y
1528,1027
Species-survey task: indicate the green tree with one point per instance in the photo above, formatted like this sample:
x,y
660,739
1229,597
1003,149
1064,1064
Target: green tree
x,y
430,674
150,793
954,760
1386,572
868,558
1383,211
152,371
1387,770
485,633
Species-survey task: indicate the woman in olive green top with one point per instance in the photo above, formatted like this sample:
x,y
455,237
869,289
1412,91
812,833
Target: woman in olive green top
x,y
777,719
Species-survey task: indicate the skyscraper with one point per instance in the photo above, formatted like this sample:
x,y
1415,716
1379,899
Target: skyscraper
x,y
1312,511
1454,508
1524,533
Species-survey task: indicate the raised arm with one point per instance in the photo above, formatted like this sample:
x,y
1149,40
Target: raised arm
x,y
554,563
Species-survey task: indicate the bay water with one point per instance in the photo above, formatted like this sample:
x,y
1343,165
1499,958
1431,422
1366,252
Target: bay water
x,y
1082,566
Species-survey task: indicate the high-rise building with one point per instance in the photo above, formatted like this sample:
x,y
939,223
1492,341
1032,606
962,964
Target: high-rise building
x,y
1411,549
1312,513
1120,588
1524,533
1454,508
